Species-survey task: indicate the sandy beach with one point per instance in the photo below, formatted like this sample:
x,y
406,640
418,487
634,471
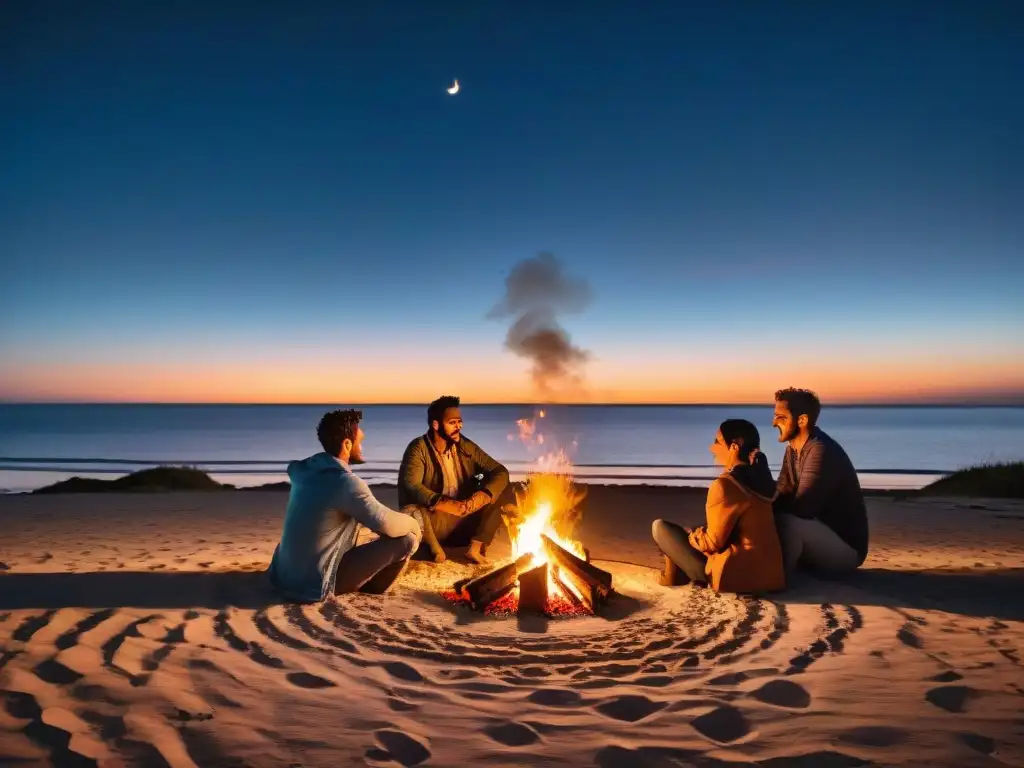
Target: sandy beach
x,y
138,629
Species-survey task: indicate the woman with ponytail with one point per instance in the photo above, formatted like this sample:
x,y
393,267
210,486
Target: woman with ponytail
x,y
738,550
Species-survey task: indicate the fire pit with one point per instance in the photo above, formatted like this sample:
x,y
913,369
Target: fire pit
x,y
550,573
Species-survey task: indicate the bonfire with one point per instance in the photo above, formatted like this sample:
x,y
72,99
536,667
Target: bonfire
x,y
550,572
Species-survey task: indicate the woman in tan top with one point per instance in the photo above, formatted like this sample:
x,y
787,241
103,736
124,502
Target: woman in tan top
x,y
738,550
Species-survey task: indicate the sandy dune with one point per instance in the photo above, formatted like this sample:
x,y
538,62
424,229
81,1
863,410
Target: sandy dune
x,y
138,630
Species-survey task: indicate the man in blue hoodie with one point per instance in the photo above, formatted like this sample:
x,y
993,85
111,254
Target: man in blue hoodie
x,y
327,505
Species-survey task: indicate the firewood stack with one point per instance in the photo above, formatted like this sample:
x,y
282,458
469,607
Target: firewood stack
x,y
580,581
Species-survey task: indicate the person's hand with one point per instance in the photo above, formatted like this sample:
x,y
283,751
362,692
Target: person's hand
x,y
511,515
477,501
449,506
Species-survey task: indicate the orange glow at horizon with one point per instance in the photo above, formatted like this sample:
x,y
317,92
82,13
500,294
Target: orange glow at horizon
x,y
502,380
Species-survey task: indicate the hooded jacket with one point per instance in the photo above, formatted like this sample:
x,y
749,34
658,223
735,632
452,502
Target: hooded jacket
x,y
740,540
326,506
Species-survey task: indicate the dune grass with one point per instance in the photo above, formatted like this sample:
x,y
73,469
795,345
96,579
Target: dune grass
x,y
1003,480
145,480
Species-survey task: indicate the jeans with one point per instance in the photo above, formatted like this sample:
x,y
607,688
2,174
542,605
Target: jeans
x,y
375,566
812,545
674,542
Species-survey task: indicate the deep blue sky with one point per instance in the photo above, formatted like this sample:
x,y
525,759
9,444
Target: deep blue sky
x,y
186,189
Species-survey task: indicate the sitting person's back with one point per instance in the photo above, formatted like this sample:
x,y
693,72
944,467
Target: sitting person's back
x,y
749,558
327,505
819,504
738,550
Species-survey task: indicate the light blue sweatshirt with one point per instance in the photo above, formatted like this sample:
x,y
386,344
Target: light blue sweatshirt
x,y
326,506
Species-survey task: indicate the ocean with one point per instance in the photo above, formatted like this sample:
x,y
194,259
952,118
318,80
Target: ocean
x,y
892,447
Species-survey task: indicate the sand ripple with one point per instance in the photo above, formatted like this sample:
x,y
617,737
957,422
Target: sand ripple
x,y
665,676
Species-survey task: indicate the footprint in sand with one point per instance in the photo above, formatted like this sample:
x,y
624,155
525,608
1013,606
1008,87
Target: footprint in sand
x,y
629,708
555,697
512,734
306,680
908,636
655,681
735,678
783,693
400,747
458,674
952,698
874,736
401,705
946,677
52,671
623,757
723,725
403,671
978,743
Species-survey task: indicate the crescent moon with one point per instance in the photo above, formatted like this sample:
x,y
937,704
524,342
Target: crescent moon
x,y
454,89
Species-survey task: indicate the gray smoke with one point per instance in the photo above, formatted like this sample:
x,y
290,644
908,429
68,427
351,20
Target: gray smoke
x,y
536,293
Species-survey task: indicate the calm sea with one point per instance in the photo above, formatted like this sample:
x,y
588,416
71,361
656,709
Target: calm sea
x,y
892,447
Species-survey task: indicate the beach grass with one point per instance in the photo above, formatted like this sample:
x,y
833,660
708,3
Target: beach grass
x,y
166,478
1003,480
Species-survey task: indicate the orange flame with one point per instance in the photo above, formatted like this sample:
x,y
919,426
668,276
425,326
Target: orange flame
x,y
549,504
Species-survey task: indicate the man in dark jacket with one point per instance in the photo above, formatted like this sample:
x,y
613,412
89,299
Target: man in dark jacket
x,y
450,482
819,506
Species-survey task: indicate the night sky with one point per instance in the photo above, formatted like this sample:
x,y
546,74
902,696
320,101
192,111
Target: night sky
x,y
282,203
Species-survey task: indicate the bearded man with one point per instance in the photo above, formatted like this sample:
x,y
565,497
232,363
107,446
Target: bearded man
x,y
453,486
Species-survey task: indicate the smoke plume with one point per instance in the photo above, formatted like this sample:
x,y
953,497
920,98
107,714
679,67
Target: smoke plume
x,y
536,293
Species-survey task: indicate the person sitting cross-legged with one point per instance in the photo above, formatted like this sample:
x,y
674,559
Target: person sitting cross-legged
x,y
738,550
819,505
438,484
327,506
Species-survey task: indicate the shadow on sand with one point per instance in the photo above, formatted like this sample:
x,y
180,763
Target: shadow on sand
x,y
982,593
137,589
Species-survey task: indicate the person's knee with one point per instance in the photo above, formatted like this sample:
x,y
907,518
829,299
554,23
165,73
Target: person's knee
x,y
658,530
410,543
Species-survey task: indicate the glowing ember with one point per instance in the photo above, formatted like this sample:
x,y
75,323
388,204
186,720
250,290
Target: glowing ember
x,y
508,605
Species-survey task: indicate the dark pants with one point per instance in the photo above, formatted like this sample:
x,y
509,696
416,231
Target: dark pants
x,y
674,542
373,567
480,526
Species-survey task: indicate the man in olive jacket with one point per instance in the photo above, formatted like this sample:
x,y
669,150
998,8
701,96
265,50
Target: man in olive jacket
x,y
449,482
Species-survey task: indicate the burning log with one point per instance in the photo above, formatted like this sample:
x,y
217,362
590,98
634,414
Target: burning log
x,y
485,589
533,590
584,580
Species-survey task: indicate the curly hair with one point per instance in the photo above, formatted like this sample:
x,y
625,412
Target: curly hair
x,y
801,402
336,427
435,411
